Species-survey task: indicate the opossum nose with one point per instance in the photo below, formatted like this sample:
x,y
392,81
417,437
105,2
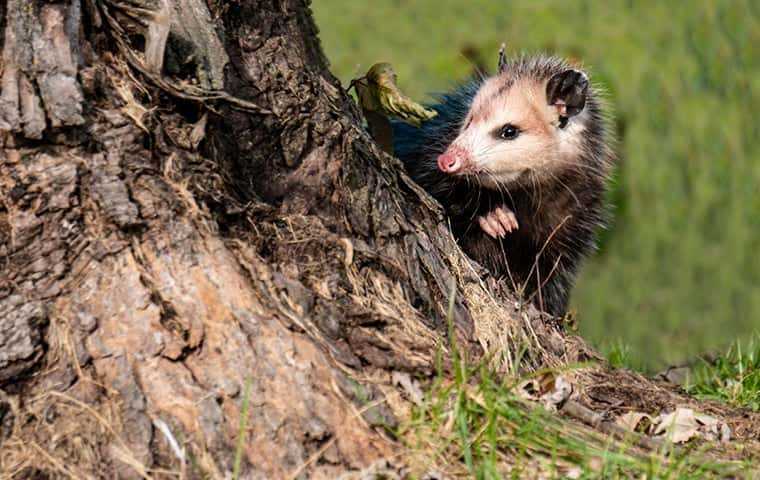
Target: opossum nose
x,y
448,162
452,160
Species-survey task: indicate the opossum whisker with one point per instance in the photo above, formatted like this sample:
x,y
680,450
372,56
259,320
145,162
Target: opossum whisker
x,y
546,244
582,167
500,189
536,188
471,220
567,188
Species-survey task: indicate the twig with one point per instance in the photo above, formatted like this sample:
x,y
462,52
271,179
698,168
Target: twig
x,y
595,420
312,458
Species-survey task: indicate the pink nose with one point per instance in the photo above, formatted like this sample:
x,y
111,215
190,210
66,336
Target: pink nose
x,y
452,160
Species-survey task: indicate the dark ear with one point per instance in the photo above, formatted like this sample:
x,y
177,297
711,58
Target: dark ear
x,y
567,92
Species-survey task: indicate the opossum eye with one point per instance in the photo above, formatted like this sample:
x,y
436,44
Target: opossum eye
x,y
508,132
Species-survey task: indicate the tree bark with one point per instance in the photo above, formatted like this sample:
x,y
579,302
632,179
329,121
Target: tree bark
x,y
171,230
182,234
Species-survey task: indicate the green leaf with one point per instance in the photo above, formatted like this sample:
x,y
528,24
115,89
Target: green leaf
x,y
378,92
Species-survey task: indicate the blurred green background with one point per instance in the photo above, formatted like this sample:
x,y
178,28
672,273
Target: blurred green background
x,y
678,273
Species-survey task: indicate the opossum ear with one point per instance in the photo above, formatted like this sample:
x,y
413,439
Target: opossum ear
x,y
567,92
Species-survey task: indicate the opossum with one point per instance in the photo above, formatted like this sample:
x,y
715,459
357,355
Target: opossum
x,y
520,162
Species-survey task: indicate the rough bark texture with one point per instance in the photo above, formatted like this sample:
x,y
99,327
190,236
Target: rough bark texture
x,y
154,260
170,240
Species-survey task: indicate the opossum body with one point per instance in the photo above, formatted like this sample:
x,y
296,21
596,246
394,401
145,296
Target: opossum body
x,y
520,161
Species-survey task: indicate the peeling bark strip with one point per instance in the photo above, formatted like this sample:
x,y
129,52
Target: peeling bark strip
x,y
40,63
192,23
195,43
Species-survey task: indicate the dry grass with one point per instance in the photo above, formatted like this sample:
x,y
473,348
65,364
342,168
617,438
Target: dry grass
x,y
55,433
474,426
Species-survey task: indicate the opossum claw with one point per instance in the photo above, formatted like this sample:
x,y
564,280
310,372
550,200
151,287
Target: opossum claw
x,y
507,218
487,227
498,222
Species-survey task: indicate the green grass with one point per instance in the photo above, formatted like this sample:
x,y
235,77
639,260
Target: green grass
x,y
678,273
733,378
472,425
619,355
242,433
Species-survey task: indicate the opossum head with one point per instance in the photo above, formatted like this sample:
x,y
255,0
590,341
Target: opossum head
x,y
528,119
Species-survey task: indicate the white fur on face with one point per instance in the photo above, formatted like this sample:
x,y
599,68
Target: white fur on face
x,y
541,146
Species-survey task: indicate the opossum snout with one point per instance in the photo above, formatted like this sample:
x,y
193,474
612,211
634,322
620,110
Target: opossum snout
x,y
454,160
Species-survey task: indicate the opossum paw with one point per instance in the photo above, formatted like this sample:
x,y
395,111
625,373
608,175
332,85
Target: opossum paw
x,y
498,222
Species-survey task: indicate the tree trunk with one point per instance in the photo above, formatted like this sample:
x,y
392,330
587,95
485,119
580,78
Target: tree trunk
x,y
193,220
